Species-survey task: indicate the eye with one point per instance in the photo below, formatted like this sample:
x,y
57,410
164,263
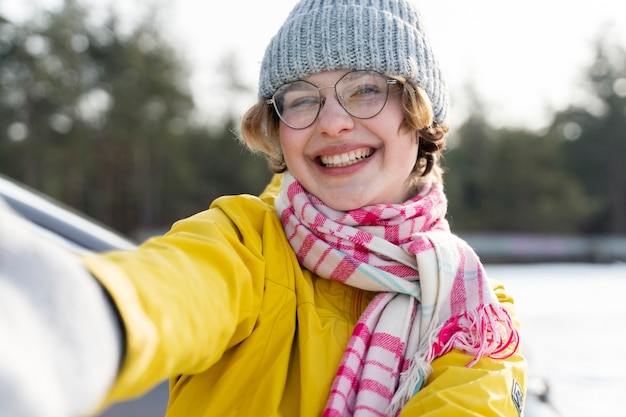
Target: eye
x,y
363,93
365,90
300,101
298,96
360,87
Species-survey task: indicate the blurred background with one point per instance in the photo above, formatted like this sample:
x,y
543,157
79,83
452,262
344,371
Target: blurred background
x,y
128,112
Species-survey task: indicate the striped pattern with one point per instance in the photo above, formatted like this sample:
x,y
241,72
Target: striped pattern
x,y
433,293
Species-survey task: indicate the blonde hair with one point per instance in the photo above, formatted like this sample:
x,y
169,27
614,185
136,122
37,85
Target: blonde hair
x,y
260,125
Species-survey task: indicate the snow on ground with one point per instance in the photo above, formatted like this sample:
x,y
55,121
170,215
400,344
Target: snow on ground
x,y
574,324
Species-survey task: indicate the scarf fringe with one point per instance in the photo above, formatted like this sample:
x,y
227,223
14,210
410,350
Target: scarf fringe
x,y
411,382
487,331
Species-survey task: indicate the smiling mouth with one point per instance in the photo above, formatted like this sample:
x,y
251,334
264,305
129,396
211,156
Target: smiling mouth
x,y
345,159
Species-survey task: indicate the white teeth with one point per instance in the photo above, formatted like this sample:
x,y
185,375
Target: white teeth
x,y
344,159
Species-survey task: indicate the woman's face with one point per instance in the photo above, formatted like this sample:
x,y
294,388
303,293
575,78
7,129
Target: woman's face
x,y
377,155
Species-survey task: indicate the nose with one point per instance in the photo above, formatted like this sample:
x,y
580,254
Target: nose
x,y
333,119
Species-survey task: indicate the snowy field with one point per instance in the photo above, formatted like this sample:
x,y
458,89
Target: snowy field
x,y
574,323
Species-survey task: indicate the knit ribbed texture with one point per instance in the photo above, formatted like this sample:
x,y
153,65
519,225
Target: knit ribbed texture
x,y
380,35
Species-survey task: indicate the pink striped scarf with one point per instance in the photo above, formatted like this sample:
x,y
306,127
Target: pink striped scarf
x,y
433,293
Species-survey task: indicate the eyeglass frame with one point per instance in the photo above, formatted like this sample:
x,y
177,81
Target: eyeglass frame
x,y
272,100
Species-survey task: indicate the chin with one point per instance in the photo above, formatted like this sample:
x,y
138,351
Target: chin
x,y
343,205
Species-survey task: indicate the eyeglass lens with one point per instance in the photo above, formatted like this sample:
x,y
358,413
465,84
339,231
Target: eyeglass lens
x,y
362,94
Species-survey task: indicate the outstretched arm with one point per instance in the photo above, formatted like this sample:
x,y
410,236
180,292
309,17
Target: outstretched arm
x,y
60,339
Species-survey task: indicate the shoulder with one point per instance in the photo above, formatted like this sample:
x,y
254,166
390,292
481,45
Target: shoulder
x,y
241,212
247,205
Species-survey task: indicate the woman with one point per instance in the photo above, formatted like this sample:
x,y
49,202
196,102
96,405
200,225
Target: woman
x,y
340,290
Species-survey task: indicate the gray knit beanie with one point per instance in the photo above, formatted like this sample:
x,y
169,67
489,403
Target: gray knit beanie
x,y
380,35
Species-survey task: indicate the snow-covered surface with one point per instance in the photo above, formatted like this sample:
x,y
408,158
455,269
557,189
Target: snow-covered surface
x,y
573,319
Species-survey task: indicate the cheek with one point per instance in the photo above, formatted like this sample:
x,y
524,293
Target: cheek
x,y
283,140
289,141
407,149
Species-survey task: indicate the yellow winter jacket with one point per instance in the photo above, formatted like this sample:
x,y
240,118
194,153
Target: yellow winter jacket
x,y
221,307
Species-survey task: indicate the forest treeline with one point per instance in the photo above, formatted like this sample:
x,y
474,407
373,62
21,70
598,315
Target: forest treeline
x,y
102,120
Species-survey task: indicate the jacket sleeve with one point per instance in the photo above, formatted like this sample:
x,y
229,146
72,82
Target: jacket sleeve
x,y
490,388
188,296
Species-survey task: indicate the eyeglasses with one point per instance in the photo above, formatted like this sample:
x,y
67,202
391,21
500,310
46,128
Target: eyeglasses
x,y
362,94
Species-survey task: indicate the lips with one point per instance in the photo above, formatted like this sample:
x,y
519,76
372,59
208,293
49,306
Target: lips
x,y
345,159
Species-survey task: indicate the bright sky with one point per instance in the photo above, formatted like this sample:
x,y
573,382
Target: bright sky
x,y
522,58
